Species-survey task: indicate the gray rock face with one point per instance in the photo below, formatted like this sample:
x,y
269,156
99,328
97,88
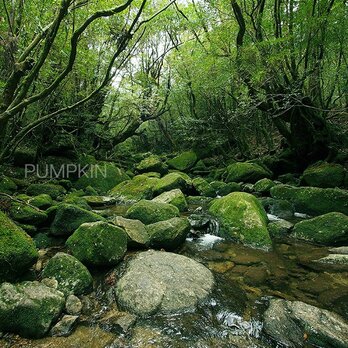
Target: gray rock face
x,y
65,326
163,282
287,323
29,308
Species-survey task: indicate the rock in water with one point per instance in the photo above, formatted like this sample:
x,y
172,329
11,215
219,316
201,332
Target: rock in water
x,y
174,197
243,218
29,308
288,323
163,282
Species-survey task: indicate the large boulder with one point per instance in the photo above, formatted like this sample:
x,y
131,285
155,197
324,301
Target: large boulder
x,y
174,197
27,214
102,176
162,282
324,175
169,234
279,207
29,308
327,229
98,244
42,201
69,217
264,185
137,234
246,172
172,181
243,218
297,324
313,200
72,276
140,187
152,163
150,212
52,190
222,189
17,250
203,187
183,162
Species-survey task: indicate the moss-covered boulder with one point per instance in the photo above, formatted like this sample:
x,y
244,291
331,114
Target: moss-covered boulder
x,y
242,218
140,187
313,200
137,234
279,228
174,197
99,201
184,161
324,175
27,214
52,190
24,154
246,172
203,187
279,207
264,185
102,176
69,217
98,244
7,185
327,229
150,212
169,234
222,189
42,201
152,163
29,308
72,276
17,250
170,182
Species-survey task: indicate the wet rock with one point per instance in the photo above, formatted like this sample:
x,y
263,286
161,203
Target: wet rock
x,y
163,282
73,305
117,322
72,276
246,172
335,259
98,244
174,197
222,189
150,212
203,187
243,218
279,228
29,308
169,234
50,282
339,250
65,326
27,214
184,161
52,190
327,229
296,324
278,207
98,201
152,163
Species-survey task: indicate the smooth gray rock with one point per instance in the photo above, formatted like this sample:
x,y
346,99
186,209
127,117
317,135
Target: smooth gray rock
x,y
65,326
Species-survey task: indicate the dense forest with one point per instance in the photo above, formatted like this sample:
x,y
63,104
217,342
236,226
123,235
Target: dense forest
x,y
173,173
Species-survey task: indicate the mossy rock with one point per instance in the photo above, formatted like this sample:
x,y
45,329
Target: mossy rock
x,y
29,308
136,232
150,212
152,175
313,200
98,244
140,187
279,228
174,197
24,155
102,176
264,185
44,240
69,217
17,250
222,189
324,175
99,201
246,172
169,234
184,161
327,229
77,200
7,185
42,201
152,163
72,276
278,207
242,218
170,182
203,187
30,229
50,189
27,214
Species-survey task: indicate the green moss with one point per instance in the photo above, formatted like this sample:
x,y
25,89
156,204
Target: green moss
x,y
174,197
242,218
26,214
17,249
150,212
42,201
50,189
152,163
203,187
278,207
246,172
327,229
170,182
72,276
7,185
98,244
69,217
279,228
264,185
184,161
140,187
313,200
